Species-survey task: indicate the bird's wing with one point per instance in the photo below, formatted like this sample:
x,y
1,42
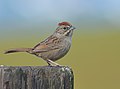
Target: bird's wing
x,y
51,43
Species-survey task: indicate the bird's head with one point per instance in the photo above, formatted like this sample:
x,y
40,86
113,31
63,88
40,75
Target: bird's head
x,y
65,29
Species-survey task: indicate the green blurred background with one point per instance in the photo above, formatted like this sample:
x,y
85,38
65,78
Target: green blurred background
x,y
95,52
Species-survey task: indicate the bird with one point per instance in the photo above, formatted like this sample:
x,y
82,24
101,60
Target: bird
x,y
52,48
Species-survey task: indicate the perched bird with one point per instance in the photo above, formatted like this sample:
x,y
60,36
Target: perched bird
x,y
54,47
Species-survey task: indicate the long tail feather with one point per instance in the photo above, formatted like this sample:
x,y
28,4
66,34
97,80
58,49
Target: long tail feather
x,y
18,50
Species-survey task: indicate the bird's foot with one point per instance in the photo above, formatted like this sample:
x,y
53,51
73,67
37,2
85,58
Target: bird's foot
x,y
52,63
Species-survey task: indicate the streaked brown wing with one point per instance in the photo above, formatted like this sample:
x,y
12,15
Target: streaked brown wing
x,y
51,43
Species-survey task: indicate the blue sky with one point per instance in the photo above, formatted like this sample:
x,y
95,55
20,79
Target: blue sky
x,y
19,13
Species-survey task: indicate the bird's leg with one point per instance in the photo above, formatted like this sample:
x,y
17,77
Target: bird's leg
x,y
50,62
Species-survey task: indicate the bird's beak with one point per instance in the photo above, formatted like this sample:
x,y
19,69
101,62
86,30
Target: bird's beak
x,y
72,28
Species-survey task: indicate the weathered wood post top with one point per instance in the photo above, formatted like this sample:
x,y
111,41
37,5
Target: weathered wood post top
x,y
36,77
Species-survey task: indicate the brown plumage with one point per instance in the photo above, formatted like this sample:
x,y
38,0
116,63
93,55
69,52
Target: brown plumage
x,y
64,23
18,50
54,47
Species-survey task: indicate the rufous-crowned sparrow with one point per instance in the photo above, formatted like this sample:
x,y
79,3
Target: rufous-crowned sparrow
x,y
54,47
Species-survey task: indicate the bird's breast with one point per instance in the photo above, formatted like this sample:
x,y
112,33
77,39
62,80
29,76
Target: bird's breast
x,y
58,53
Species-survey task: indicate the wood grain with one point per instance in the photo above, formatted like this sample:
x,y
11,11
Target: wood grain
x,y
36,77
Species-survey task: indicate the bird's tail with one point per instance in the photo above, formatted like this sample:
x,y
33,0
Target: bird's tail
x,y
18,50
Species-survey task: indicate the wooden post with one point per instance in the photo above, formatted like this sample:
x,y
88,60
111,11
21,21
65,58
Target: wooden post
x,y
36,77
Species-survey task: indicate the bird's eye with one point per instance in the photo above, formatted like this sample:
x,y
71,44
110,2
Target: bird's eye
x,y
65,28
